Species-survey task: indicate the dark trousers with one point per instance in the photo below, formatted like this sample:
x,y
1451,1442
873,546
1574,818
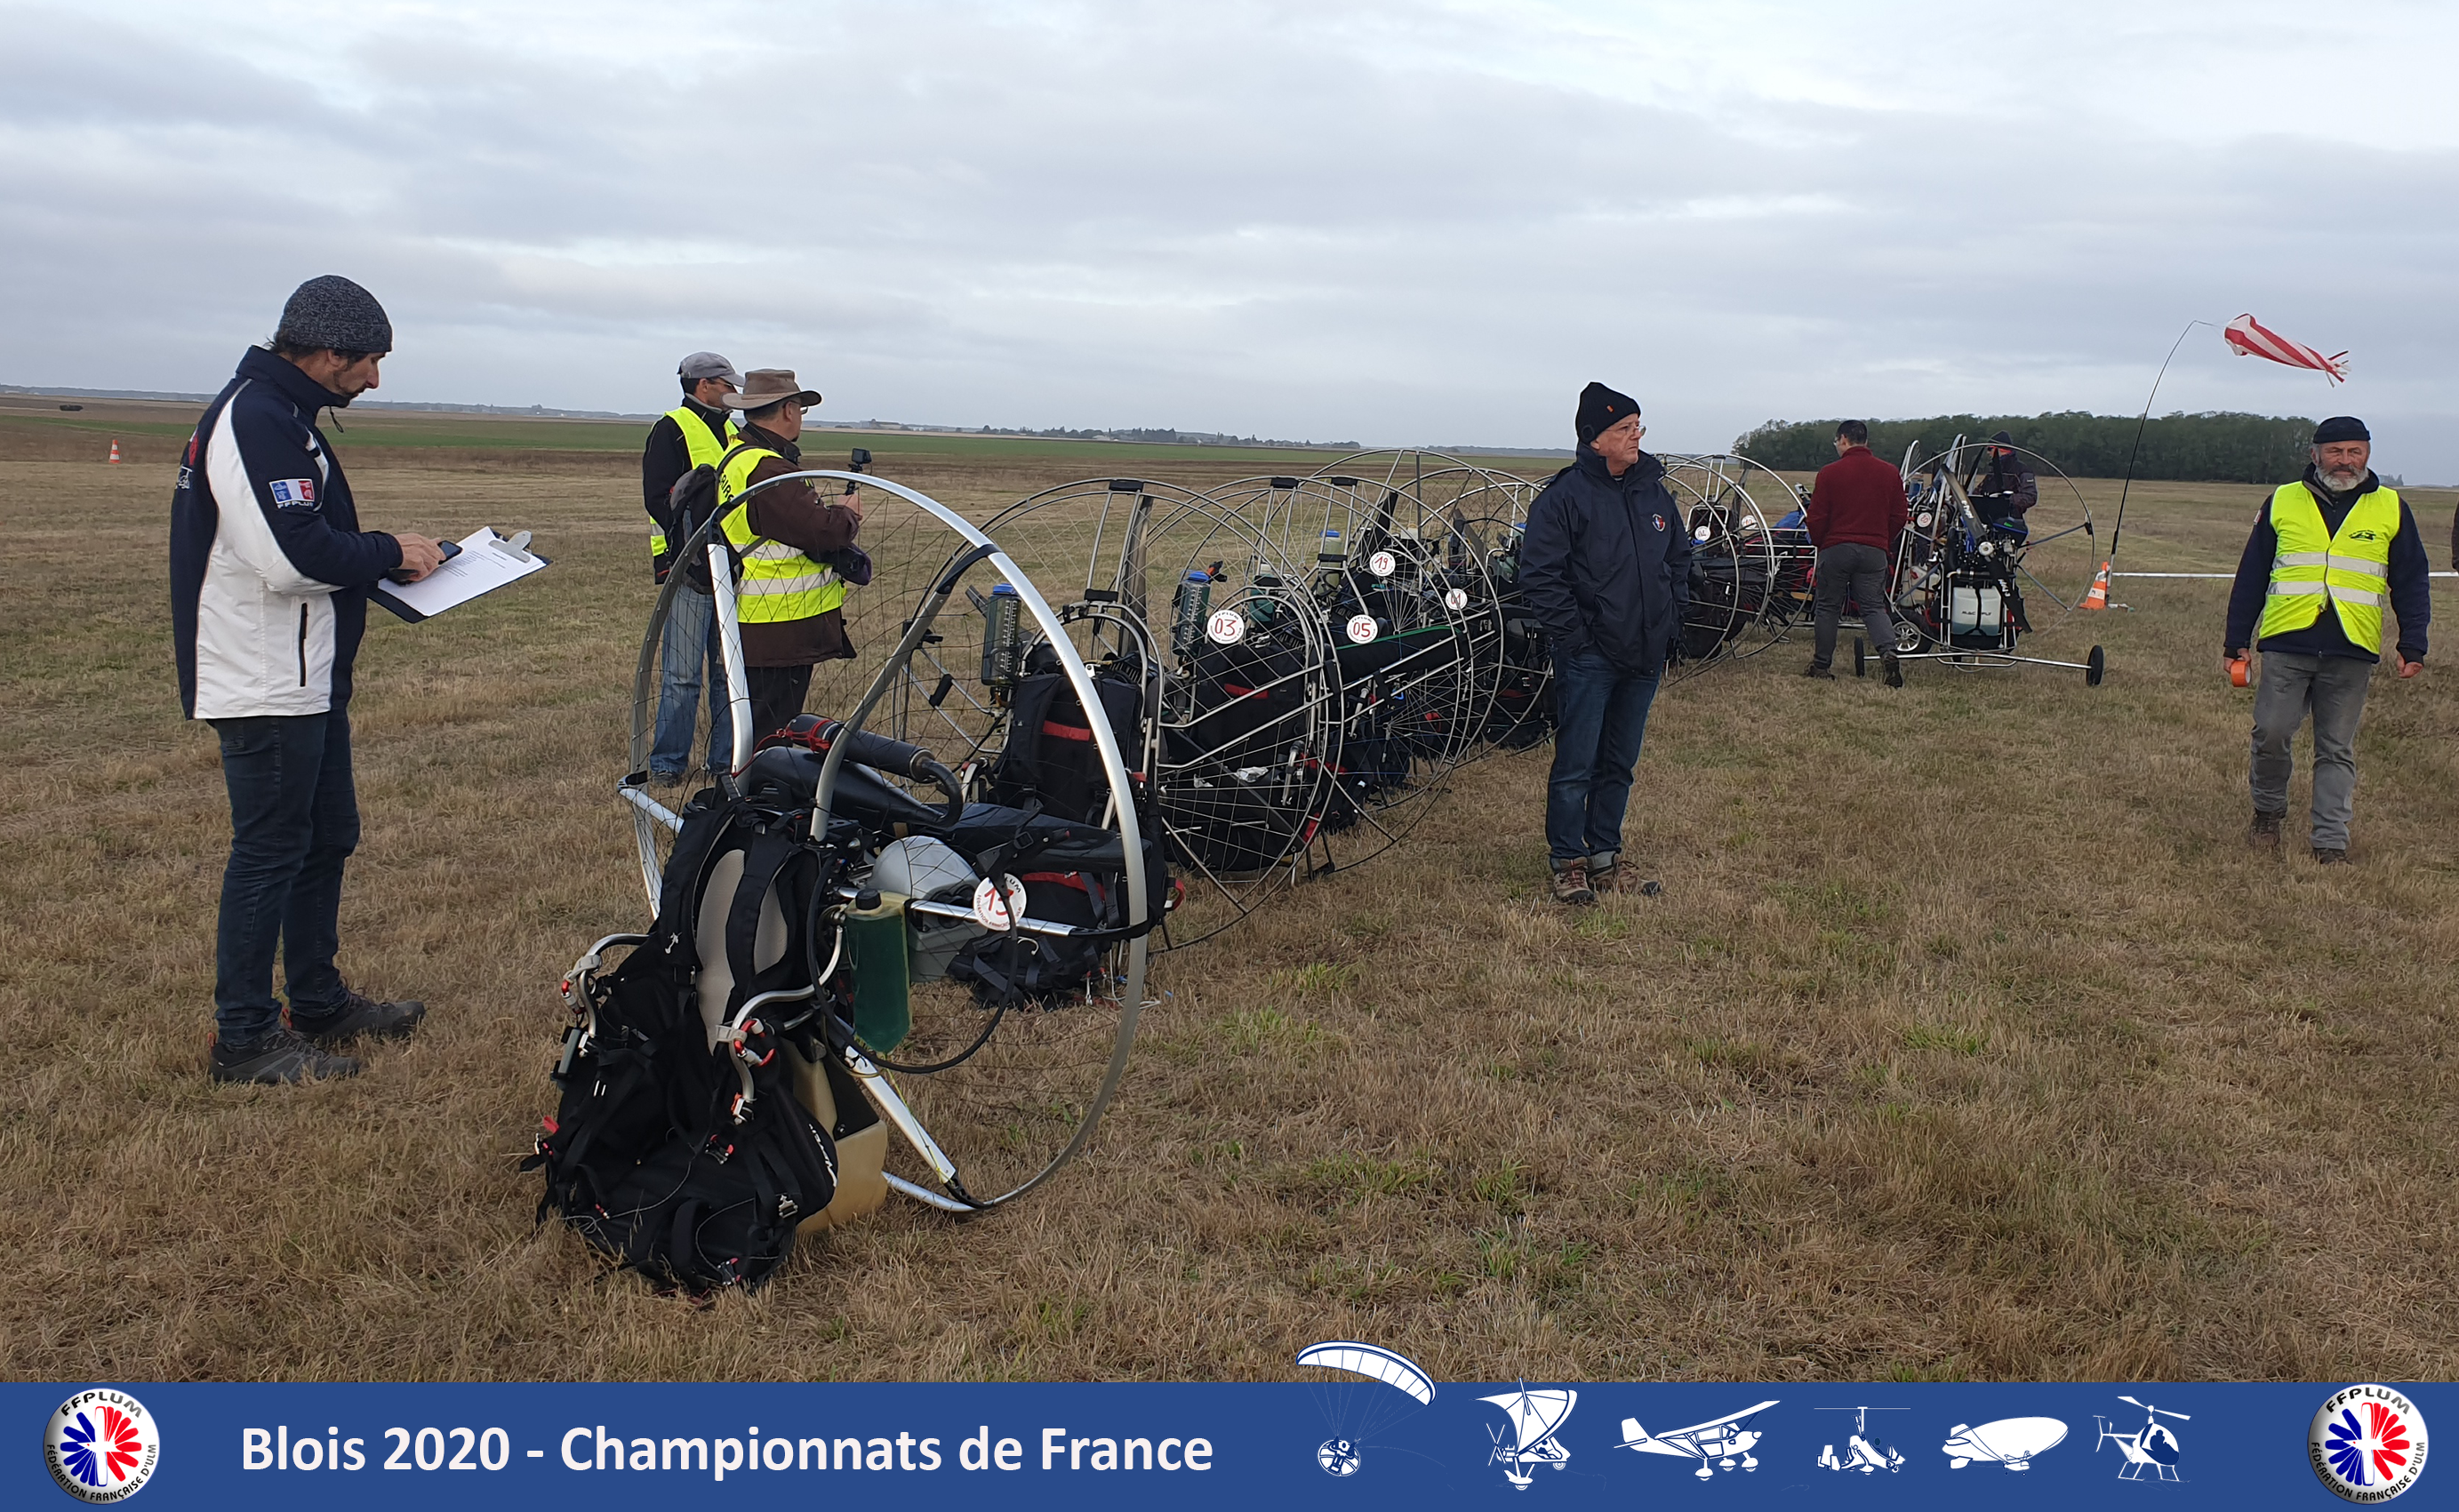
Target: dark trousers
x,y
777,695
294,822
1861,572
1599,717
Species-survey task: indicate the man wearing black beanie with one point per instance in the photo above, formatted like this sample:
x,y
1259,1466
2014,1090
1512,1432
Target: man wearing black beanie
x,y
269,579
1605,570
2326,552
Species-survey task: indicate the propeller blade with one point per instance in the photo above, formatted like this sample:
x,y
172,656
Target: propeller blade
x,y
2137,1403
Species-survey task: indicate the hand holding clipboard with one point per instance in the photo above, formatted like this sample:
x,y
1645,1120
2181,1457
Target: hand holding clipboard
x,y
479,563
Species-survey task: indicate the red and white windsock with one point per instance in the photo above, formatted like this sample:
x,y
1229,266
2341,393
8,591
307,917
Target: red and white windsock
x,y
2251,338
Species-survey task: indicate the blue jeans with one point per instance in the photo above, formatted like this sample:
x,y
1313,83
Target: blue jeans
x,y
294,820
1600,715
692,646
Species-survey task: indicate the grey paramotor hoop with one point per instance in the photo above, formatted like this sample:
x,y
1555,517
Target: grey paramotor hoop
x,y
976,549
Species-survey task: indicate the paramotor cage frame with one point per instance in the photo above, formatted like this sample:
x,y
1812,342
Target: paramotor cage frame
x,y
1748,572
1947,550
651,817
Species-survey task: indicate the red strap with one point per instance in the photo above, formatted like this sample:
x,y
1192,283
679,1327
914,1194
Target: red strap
x,y
1067,879
1236,691
1070,732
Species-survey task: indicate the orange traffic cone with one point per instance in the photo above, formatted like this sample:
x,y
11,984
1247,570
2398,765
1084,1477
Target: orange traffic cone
x,y
114,448
2098,596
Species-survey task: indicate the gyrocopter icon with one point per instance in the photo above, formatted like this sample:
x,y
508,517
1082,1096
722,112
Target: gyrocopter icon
x,y
1862,1451
1352,1409
1536,1417
2154,1444
1719,1444
2014,1443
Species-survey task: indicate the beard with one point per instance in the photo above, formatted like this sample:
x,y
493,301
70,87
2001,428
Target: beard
x,y
2342,480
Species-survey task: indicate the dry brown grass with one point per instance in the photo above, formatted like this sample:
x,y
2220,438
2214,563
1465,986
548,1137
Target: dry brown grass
x,y
1964,1040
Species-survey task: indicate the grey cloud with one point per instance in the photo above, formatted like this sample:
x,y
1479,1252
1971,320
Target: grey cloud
x,y
1256,217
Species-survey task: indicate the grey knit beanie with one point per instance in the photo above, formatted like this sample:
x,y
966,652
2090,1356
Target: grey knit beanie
x,y
332,311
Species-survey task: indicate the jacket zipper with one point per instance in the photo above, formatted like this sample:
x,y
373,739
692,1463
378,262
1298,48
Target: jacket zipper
x,y
303,646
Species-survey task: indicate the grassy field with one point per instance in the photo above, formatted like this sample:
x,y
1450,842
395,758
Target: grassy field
x,y
1966,1039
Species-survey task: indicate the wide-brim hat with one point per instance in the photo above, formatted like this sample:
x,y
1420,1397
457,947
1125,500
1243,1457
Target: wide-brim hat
x,y
763,386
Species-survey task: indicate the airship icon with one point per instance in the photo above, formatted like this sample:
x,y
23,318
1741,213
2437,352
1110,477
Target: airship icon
x,y
2014,1443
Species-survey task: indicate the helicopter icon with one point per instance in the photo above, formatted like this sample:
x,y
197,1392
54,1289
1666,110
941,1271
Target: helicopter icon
x,y
2154,1443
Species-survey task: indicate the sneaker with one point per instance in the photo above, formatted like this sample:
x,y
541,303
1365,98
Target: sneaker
x,y
1571,884
281,1057
2330,855
2263,834
659,779
1895,668
358,1015
1820,670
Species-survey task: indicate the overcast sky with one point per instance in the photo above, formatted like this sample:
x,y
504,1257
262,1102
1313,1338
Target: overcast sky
x,y
1400,224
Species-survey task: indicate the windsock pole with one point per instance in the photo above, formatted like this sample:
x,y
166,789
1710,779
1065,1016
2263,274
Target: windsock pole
x,y
2119,529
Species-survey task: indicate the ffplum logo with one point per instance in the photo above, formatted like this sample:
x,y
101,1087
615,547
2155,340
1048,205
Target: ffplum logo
x,y
102,1445
2368,1444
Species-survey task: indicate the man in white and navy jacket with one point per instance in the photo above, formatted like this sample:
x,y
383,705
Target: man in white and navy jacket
x,y
269,579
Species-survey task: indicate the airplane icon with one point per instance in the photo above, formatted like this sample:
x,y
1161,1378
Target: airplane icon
x,y
1715,1444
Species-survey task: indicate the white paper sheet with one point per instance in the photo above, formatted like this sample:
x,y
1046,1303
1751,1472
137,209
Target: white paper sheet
x,y
486,563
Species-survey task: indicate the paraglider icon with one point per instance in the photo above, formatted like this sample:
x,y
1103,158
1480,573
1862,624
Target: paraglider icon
x,y
1391,1388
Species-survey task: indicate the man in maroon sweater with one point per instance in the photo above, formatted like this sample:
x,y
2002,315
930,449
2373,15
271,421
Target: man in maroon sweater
x,y
1857,511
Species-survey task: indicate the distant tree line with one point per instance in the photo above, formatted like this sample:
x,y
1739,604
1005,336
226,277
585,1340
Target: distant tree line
x,y
2220,447
1167,437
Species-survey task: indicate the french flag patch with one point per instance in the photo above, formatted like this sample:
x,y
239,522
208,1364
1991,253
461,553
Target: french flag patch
x,y
293,492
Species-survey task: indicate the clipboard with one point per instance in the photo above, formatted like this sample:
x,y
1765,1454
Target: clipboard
x,y
485,562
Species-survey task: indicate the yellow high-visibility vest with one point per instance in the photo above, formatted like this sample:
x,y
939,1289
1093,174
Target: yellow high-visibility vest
x,y
704,447
2350,571
778,582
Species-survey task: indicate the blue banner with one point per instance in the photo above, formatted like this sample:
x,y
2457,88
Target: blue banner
x,y
1339,1442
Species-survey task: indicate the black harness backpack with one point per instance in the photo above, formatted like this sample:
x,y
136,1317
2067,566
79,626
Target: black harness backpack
x,y
695,1165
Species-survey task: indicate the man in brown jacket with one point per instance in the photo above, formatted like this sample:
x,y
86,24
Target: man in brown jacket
x,y
796,554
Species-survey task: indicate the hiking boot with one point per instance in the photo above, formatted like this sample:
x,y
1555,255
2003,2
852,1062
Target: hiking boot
x,y
358,1015
659,779
2263,834
1819,670
1622,881
281,1057
1605,874
2330,855
1571,884
1895,668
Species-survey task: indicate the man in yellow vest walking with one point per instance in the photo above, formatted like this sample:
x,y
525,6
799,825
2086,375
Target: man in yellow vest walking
x,y
794,554
2328,552
696,431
